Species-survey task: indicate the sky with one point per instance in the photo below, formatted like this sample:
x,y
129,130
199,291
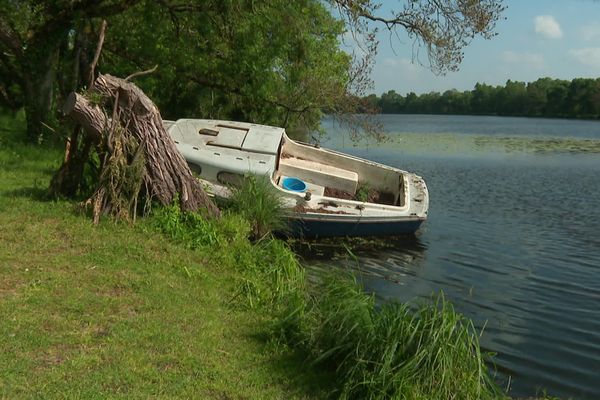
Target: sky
x,y
536,38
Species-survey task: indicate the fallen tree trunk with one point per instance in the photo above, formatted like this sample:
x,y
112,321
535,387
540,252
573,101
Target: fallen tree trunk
x,y
88,115
139,155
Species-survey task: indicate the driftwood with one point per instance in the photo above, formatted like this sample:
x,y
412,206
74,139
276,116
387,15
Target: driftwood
x,y
134,132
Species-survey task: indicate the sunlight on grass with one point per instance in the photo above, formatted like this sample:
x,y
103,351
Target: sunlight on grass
x,y
119,311
182,306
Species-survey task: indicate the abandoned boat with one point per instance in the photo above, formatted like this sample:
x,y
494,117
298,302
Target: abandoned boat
x,y
324,192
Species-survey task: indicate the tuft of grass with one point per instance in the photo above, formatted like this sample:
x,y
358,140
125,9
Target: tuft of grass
x,y
362,193
390,351
268,271
271,276
257,200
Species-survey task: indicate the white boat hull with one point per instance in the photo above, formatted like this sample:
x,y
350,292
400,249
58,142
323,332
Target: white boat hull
x,y
223,151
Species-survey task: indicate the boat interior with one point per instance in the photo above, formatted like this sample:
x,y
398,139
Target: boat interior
x,y
222,151
331,174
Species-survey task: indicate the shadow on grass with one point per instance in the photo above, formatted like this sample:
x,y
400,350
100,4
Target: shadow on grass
x,y
36,193
293,365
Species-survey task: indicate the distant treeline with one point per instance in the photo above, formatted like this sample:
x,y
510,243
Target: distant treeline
x,y
546,97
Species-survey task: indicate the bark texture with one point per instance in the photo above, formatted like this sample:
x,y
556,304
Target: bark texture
x,y
89,116
135,132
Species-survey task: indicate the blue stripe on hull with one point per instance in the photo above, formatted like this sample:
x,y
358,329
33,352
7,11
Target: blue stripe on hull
x,y
320,228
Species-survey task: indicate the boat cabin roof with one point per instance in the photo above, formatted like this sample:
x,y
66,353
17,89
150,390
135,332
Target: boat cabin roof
x,y
212,147
242,136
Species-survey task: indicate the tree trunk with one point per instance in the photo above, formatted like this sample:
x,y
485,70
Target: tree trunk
x,y
68,179
39,74
166,174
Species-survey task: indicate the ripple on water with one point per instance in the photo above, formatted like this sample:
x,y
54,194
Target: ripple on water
x,y
512,239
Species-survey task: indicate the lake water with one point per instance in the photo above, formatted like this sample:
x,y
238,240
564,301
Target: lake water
x,y
513,239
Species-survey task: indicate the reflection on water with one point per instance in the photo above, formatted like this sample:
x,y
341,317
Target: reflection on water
x,y
391,259
513,239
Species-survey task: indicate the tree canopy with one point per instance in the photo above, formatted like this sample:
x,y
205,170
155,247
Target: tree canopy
x,y
274,61
545,97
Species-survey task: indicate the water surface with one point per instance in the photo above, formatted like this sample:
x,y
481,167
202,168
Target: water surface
x,y
513,239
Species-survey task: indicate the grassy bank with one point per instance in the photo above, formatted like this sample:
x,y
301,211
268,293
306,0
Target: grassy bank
x,y
177,306
119,310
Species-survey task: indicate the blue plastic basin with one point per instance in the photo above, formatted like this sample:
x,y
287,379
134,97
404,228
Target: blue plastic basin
x,y
294,184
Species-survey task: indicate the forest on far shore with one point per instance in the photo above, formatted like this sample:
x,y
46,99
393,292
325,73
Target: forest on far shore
x,y
546,97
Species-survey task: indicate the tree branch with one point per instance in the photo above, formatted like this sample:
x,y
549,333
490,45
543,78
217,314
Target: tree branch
x,y
10,38
443,27
141,73
97,53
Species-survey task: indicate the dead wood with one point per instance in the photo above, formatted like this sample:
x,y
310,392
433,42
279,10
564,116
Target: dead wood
x,y
140,154
88,115
68,178
141,73
92,69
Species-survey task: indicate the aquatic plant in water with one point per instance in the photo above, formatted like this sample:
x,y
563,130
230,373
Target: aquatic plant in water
x,y
390,351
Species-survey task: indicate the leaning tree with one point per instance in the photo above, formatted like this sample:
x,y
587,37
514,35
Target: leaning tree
x,y
137,156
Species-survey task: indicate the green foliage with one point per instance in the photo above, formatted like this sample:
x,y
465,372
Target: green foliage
x,y
187,228
196,232
545,97
362,193
269,274
274,62
12,126
119,311
390,351
258,201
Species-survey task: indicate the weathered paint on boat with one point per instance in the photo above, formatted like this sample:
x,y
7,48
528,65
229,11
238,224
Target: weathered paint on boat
x,y
222,152
306,227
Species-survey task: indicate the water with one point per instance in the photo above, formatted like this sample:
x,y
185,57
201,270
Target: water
x,y
513,239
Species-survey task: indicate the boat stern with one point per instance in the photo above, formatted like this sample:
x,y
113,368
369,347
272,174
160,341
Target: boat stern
x,y
417,196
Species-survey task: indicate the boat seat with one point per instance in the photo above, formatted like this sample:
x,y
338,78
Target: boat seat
x,y
319,174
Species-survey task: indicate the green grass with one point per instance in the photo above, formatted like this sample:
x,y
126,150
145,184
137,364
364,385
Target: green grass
x,y
178,306
257,201
120,311
391,351
267,274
